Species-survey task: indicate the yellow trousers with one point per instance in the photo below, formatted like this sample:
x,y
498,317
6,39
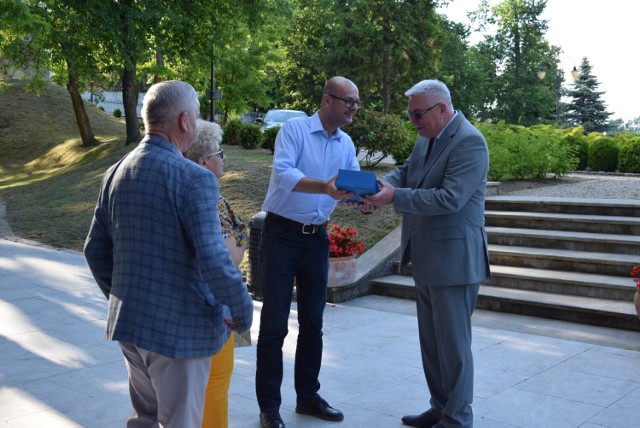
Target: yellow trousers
x,y
216,401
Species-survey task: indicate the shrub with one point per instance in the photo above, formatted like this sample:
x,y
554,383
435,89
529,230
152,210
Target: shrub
x,y
250,137
379,135
575,138
117,113
516,152
629,155
269,138
558,156
232,132
401,152
603,155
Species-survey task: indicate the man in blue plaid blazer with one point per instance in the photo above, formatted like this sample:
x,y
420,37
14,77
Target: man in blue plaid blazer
x,y
156,251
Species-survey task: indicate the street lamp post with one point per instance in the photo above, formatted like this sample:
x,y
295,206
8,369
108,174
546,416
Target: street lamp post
x,y
213,85
213,93
541,75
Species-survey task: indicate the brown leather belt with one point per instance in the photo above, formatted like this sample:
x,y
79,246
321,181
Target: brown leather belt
x,y
305,229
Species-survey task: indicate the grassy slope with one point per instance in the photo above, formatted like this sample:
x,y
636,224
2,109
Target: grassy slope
x,y
49,182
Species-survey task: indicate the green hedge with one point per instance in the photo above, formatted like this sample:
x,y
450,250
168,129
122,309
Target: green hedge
x,y
603,155
250,137
629,155
516,152
269,138
232,132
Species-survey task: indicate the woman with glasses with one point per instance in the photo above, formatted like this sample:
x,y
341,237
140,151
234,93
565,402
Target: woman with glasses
x,y
205,151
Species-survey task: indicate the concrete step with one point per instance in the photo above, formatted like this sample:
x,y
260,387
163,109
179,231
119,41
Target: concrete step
x,y
561,282
568,261
564,240
605,207
608,224
562,260
587,310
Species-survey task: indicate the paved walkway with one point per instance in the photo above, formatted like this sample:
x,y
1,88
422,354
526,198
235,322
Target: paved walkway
x,y
57,371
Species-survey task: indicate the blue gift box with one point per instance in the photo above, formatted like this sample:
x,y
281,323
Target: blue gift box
x,y
359,182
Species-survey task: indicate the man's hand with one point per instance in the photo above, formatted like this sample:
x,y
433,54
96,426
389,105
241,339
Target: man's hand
x,y
362,206
313,185
334,192
383,197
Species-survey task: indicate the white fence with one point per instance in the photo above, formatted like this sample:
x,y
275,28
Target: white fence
x,y
112,100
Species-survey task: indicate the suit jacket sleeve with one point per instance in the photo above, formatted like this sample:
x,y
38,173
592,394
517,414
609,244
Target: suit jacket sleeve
x,y
202,225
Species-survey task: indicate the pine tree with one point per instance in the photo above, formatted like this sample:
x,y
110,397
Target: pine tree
x,y
586,108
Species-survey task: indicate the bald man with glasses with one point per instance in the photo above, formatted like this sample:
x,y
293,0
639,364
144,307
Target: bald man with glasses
x,y
440,190
302,194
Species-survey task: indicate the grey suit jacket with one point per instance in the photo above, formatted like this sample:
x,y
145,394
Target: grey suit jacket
x,y
442,203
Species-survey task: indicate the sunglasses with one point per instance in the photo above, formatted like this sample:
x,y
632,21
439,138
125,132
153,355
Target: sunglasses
x,y
419,114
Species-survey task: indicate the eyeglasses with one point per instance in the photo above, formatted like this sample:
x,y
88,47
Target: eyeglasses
x,y
418,114
347,101
220,153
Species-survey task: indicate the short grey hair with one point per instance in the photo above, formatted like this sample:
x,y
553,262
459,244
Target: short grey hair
x,y
208,139
165,101
432,87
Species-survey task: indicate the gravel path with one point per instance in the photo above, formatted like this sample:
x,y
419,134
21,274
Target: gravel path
x,y
578,185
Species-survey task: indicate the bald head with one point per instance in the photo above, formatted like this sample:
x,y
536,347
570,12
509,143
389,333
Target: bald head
x,y
338,84
340,101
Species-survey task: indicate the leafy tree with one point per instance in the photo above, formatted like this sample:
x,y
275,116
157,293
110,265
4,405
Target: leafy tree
x,y
586,108
516,49
303,74
23,36
633,126
379,44
463,69
53,36
240,37
384,47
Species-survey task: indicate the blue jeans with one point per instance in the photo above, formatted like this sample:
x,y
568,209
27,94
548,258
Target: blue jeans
x,y
286,254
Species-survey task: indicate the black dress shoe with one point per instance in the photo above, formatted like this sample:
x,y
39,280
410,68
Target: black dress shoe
x,y
427,419
320,409
271,420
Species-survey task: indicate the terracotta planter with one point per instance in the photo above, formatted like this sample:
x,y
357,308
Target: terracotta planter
x,y
342,270
636,301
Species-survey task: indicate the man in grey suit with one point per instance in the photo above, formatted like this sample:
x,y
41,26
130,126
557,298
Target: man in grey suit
x,y
440,191
156,250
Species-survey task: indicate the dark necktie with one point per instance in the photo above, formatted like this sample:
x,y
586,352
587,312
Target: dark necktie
x,y
429,148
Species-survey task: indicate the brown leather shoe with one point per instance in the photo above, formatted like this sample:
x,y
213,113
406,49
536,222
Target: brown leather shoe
x,y
427,419
320,409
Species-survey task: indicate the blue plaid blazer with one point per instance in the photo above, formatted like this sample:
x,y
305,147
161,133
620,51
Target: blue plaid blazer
x,y
156,250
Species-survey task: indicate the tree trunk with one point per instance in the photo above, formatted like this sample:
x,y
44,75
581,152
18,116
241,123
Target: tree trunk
x,y
159,62
82,119
386,85
130,101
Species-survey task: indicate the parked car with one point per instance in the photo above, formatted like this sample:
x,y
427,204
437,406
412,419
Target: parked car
x,y
276,117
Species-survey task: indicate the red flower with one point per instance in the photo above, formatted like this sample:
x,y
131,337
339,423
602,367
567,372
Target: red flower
x,y
342,242
635,273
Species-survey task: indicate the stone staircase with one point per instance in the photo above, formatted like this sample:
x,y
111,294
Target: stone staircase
x,y
558,258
